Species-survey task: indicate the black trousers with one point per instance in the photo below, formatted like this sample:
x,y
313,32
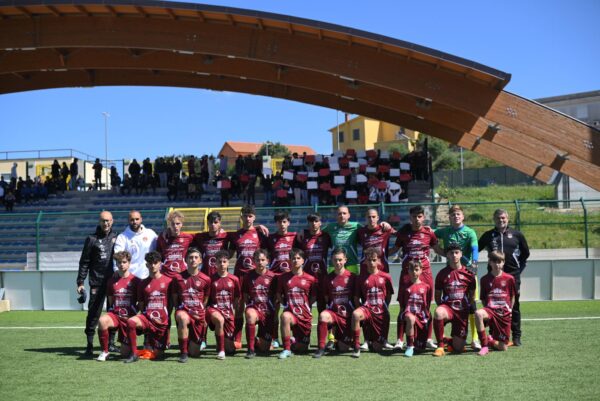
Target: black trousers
x,y
95,304
516,311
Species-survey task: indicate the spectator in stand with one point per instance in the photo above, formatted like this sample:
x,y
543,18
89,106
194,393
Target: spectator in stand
x,y
173,188
223,165
160,169
239,165
211,169
97,174
177,167
73,172
191,165
267,185
64,173
9,201
2,192
147,169
115,180
13,171
134,172
126,187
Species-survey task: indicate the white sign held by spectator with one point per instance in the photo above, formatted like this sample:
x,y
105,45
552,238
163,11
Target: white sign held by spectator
x,y
394,172
339,179
351,195
311,185
288,175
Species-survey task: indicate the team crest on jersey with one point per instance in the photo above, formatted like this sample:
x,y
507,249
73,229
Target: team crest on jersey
x,y
302,282
145,239
509,235
346,280
162,285
421,290
254,235
267,281
380,280
503,283
229,284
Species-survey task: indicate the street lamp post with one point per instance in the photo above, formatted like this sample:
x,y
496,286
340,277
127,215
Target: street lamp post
x,y
106,115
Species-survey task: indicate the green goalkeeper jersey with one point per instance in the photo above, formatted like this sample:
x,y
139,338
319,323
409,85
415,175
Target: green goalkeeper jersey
x,y
465,236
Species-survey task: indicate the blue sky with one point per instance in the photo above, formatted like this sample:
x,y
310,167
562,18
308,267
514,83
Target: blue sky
x,y
550,47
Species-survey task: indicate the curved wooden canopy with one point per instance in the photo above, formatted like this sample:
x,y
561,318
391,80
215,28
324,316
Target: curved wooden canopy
x,y
54,43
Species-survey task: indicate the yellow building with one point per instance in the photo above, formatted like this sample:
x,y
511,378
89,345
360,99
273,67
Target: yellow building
x,y
363,133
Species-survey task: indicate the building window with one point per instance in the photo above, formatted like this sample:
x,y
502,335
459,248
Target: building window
x,y
356,134
341,136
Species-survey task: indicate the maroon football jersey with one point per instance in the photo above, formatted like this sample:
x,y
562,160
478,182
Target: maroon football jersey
x,y
123,291
192,291
497,293
245,242
279,247
209,246
455,285
339,290
373,290
223,293
416,299
155,293
315,249
376,238
260,290
415,245
297,292
173,250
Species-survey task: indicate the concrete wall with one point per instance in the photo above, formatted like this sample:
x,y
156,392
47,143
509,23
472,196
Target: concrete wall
x,y
543,280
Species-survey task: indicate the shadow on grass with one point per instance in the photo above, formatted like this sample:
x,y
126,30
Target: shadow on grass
x,y
77,352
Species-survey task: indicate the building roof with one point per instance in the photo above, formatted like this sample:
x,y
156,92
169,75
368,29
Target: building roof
x,y
254,147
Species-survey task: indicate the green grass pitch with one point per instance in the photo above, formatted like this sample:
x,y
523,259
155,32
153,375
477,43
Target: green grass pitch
x,y
559,360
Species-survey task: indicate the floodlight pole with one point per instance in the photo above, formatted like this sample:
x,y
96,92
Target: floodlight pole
x,y
106,115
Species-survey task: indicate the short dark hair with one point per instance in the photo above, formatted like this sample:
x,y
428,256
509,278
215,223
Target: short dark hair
x,y
259,252
222,254
338,250
413,263
416,210
248,209
372,251
118,256
453,246
312,217
281,215
193,249
153,257
296,251
214,215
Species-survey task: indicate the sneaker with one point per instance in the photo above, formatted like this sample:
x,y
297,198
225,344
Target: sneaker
x,y
409,351
202,345
476,345
183,358
439,352
399,344
132,358
364,346
275,344
285,354
330,346
430,344
102,357
356,352
113,348
221,355
89,351
516,341
147,354
331,337
387,345
483,351
319,353
250,354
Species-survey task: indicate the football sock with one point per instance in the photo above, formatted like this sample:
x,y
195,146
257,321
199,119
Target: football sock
x,y
220,342
430,330
103,337
439,331
400,327
250,335
322,334
132,335
204,331
111,336
473,328
183,345
411,341
483,338
239,324
287,344
357,338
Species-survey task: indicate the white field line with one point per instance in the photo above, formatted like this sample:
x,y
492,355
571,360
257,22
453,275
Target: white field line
x,y
544,319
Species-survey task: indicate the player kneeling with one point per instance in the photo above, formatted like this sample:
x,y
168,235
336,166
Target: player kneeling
x,y
296,291
497,295
224,298
258,290
193,289
374,288
454,291
121,292
415,302
153,297
338,290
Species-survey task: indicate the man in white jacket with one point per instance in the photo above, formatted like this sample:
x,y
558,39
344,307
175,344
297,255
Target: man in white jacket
x,y
138,241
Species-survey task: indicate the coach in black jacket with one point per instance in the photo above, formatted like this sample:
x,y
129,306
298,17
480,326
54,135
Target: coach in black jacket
x,y
516,251
96,260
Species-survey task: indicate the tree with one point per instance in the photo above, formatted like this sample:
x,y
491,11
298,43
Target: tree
x,y
274,149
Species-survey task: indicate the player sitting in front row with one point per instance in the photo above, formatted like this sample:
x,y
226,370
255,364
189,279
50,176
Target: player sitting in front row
x,y
153,297
296,292
415,317
497,295
258,290
193,289
224,298
121,291
338,290
375,290
454,294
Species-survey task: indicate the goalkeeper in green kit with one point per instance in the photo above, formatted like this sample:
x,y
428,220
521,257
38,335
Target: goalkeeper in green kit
x,y
467,239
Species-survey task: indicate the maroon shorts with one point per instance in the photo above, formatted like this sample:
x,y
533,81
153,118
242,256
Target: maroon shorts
x,y
302,326
376,325
120,323
196,326
421,327
228,323
266,322
341,326
459,320
157,334
499,325
405,281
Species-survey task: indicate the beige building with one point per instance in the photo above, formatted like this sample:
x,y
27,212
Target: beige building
x,y
363,133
